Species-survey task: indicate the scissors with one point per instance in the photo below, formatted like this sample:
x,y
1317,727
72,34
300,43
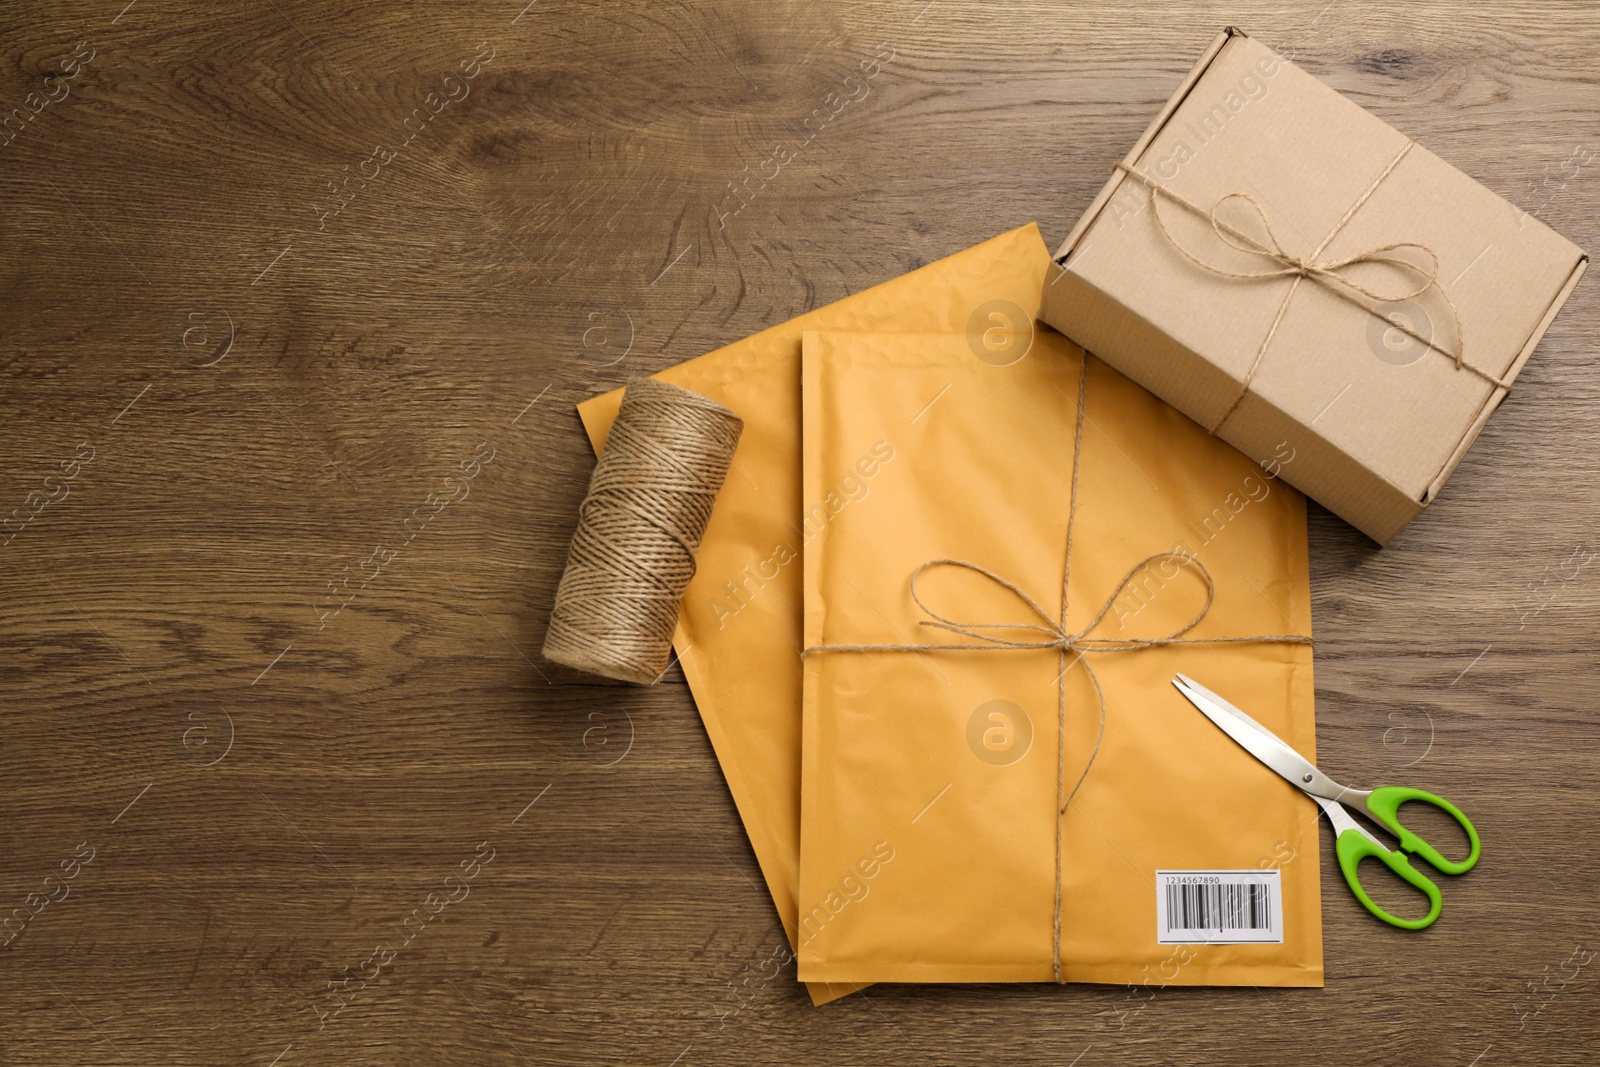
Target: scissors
x,y
1352,842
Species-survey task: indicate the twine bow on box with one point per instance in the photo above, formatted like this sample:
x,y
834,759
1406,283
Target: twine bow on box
x,y
1071,647
1332,274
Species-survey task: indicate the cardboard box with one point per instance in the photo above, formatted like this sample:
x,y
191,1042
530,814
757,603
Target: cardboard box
x,y
1310,285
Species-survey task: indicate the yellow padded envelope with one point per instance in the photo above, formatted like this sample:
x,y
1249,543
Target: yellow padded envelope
x,y
932,779
739,635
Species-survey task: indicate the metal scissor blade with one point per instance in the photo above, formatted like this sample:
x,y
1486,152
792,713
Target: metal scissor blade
x,y
1259,741
1342,821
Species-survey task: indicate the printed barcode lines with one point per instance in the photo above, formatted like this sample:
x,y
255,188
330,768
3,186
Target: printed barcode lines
x,y
1219,906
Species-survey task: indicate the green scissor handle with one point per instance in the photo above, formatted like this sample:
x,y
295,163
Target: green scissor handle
x,y
1353,846
1384,805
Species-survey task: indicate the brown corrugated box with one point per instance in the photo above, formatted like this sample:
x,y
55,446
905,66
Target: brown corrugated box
x,y
1355,313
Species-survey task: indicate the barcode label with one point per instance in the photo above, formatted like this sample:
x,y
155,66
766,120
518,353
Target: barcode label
x,y
1219,907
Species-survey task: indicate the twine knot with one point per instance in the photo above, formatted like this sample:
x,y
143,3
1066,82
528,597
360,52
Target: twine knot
x,y
1333,275
1333,272
1053,632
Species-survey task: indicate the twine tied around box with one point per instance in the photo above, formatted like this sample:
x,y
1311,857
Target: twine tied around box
x,y
1332,275
1072,647
639,529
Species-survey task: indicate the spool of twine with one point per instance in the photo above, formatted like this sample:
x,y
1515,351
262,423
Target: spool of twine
x,y
639,529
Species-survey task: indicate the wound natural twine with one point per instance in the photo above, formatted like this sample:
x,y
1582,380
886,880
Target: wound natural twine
x,y
639,530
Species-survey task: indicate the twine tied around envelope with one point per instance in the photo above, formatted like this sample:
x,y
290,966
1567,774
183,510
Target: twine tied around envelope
x,y
1072,647
1332,274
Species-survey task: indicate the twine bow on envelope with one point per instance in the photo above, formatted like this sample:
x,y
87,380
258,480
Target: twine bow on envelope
x,y
1332,274
1072,647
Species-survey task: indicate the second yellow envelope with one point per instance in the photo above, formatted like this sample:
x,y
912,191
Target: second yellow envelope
x,y
738,638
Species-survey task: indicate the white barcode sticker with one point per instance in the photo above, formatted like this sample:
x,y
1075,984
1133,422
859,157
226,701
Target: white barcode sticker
x,y
1219,907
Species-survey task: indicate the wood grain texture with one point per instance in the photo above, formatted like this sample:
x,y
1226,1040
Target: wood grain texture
x,y
271,389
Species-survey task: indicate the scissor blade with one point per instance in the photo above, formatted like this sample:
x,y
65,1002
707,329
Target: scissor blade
x,y
1259,741
1342,821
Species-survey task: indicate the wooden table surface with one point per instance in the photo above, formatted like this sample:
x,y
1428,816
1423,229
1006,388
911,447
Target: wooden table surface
x,y
281,278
